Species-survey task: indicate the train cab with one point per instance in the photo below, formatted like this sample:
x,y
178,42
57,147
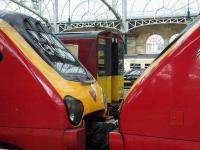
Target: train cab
x,y
102,53
46,94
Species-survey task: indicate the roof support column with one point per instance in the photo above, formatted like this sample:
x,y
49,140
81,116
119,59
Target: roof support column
x,y
55,15
124,17
124,25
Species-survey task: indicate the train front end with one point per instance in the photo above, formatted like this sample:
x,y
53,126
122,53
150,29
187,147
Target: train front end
x,y
46,96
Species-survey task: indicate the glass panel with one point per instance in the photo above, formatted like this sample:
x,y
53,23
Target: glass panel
x,y
73,48
53,52
101,57
155,44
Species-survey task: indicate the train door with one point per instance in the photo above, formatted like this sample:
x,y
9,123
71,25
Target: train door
x,y
117,69
104,66
110,68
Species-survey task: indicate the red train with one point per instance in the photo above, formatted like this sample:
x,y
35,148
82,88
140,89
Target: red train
x,y
161,111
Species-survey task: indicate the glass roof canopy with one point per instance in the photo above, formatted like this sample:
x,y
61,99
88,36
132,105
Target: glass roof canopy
x,y
96,10
162,8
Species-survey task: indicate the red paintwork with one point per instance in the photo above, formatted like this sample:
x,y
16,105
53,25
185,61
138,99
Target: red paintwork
x,y
115,141
25,97
88,49
162,111
75,139
87,52
44,139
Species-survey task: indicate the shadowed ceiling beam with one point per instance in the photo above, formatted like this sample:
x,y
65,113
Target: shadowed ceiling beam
x,y
112,9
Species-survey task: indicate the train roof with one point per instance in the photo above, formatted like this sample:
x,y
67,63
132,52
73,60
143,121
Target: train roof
x,y
86,34
20,21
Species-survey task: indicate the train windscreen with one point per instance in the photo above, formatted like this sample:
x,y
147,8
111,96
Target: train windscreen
x,y
54,52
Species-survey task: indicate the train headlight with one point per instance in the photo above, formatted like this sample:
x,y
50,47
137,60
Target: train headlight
x,y
75,109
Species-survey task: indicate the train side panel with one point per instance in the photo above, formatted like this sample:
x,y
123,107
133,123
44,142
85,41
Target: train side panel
x,y
162,109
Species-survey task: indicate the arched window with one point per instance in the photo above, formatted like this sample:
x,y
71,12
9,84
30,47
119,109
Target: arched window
x,y
173,37
154,44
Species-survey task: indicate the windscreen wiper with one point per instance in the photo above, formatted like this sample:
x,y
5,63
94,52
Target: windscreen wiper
x,y
85,81
88,81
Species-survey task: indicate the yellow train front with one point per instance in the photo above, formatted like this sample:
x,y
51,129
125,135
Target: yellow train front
x,y
48,99
101,52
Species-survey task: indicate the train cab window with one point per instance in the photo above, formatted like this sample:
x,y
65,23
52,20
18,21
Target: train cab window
x,y
54,52
73,48
115,57
101,57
